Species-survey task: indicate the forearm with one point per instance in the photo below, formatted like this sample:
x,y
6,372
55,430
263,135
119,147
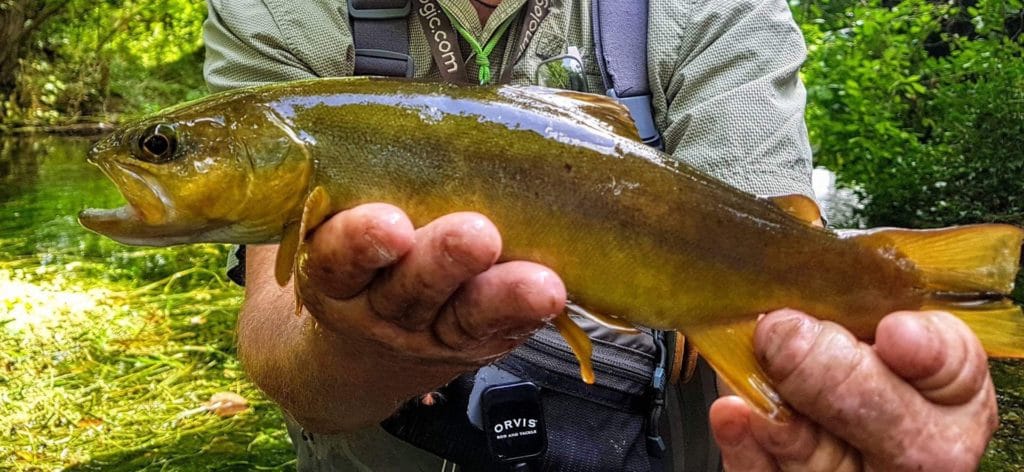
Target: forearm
x,y
290,358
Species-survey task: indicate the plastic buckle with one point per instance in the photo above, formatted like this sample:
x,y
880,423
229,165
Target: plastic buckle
x,y
642,111
410,66
655,442
378,13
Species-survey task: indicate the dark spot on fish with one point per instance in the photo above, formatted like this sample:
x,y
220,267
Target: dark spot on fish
x,y
568,167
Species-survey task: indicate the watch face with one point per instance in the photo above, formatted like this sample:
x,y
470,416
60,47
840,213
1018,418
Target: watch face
x,y
514,421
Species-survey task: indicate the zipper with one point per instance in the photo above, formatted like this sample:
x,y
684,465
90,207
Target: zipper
x,y
622,368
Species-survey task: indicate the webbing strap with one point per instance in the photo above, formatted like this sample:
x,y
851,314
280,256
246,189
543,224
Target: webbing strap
x,y
620,36
380,32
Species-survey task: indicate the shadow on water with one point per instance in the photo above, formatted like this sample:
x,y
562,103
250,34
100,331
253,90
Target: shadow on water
x,y
46,181
19,170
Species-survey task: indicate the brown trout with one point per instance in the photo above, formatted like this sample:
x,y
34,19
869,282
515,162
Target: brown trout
x,y
638,237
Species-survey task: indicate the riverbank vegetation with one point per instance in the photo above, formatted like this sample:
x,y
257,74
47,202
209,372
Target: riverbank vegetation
x,y
72,61
109,353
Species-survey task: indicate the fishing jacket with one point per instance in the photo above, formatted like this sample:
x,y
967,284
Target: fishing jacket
x,y
720,91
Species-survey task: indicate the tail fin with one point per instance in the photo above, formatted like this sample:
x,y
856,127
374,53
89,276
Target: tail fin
x,y
999,325
969,271
977,258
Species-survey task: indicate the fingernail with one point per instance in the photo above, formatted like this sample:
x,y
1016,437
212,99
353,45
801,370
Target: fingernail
x,y
453,247
543,294
731,432
381,254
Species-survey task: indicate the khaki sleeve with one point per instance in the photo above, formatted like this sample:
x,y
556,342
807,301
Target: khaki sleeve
x,y
727,93
253,42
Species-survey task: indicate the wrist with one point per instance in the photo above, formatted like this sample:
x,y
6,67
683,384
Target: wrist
x,y
328,382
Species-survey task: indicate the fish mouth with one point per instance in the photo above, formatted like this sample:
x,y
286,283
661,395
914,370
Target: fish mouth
x,y
144,220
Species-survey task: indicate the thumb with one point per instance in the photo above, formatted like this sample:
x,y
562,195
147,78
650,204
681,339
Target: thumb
x,y
936,353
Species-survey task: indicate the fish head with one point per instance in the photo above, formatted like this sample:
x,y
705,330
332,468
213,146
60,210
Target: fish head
x,y
223,172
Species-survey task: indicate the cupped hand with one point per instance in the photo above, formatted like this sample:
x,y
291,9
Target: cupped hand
x,y
920,399
433,299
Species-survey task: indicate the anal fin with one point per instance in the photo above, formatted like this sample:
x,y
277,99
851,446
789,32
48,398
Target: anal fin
x,y
579,342
729,348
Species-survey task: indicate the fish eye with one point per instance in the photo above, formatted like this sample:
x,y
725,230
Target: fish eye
x,y
158,143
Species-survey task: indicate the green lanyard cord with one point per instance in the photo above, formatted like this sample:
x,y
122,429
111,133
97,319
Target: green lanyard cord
x,y
482,53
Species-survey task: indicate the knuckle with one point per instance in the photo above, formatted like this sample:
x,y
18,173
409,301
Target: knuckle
x,y
788,344
963,375
473,323
825,364
842,387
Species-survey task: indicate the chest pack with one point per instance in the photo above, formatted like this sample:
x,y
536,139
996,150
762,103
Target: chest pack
x,y
637,416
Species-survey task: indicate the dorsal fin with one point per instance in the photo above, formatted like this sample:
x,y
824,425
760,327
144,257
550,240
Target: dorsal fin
x,y
598,111
798,206
604,109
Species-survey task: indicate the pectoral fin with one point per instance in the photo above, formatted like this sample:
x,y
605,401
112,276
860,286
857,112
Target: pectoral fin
x,y
285,261
798,206
292,253
730,350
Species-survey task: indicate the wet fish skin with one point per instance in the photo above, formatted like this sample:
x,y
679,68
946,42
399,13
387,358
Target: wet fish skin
x,y
632,232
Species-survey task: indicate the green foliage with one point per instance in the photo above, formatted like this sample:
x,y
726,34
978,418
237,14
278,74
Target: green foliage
x,y
99,59
933,140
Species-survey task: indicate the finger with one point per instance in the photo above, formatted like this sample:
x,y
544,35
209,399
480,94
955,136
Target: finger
x,y
730,424
446,253
501,305
936,352
346,251
801,446
829,376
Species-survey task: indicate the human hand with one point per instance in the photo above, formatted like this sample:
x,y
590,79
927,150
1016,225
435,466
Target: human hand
x,y
429,302
921,398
